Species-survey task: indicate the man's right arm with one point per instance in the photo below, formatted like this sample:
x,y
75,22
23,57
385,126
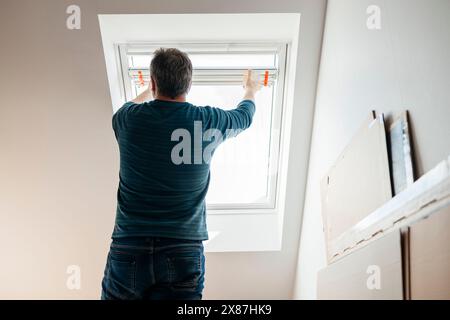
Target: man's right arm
x,y
241,117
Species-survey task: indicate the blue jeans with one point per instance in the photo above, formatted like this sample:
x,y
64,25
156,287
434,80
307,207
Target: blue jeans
x,y
154,268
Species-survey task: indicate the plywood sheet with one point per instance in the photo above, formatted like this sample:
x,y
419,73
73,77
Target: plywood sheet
x,y
372,272
400,154
429,251
359,182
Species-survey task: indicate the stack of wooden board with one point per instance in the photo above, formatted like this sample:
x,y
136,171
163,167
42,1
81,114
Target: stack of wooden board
x,y
380,247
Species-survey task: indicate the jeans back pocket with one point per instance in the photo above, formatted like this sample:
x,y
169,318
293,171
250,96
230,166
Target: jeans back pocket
x,y
185,271
121,275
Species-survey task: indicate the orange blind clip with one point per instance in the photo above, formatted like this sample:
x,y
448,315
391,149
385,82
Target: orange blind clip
x,y
141,78
266,78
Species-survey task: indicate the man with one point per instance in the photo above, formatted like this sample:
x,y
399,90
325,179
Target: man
x,y
157,250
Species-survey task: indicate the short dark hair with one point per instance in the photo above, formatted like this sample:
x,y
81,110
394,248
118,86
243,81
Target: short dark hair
x,y
172,71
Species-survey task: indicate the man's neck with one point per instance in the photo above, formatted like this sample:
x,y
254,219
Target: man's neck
x,y
181,98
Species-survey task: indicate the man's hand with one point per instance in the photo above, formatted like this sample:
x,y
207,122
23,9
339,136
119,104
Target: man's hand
x,y
251,86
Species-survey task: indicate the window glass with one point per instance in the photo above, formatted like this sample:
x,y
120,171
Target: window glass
x,y
240,166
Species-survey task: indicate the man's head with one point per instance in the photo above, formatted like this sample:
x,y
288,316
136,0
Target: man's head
x,y
171,73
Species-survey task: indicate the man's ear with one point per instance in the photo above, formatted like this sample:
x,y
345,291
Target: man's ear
x,y
152,85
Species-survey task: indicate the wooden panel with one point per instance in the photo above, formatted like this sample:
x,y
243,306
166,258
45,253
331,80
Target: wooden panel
x,y
352,277
359,182
400,154
429,250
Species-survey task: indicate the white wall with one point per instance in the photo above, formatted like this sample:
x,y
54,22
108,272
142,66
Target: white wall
x,y
405,65
59,160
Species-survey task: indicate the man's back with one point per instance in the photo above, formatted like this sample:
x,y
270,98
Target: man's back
x,y
159,196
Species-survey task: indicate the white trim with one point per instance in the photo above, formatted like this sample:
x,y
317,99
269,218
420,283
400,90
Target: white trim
x,y
207,46
123,70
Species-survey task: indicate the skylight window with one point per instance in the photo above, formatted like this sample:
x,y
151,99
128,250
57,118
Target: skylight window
x,y
243,169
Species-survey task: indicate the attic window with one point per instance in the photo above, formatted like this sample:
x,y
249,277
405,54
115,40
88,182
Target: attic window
x,y
244,170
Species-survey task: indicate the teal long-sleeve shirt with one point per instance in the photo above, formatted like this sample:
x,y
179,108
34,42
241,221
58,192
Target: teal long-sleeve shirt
x,y
163,177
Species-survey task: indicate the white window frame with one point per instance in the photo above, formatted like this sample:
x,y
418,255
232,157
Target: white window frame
x,y
224,77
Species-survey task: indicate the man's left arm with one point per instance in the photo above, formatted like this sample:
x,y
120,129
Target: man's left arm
x,y
118,118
